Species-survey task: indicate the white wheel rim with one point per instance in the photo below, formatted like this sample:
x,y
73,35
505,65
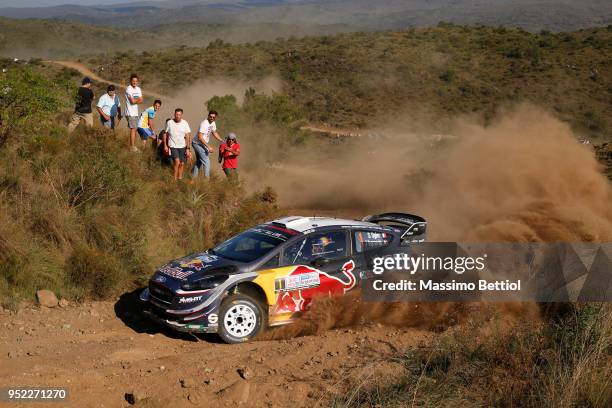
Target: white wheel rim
x,y
240,320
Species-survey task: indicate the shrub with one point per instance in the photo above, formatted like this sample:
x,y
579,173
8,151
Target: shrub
x,y
95,272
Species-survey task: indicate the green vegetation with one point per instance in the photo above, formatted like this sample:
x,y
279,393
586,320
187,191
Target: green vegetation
x,y
564,362
60,39
56,39
362,79
84,217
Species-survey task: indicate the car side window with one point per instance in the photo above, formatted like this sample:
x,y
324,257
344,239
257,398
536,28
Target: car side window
x,y
271,263
331,245
366,240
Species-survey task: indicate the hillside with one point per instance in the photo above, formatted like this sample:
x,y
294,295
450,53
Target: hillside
x,y
40,38
349,80
556,15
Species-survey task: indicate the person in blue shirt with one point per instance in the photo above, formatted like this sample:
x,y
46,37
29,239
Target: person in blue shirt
x,y
109,107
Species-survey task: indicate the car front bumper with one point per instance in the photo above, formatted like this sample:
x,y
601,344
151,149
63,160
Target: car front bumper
x,y
150,311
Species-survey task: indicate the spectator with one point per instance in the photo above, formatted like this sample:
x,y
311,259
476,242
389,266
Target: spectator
x,y
145,124
201,144
162,154
133,97
228,154
82,109
109,107
176,140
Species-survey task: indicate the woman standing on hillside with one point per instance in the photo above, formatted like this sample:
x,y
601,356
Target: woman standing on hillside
x,y
228,154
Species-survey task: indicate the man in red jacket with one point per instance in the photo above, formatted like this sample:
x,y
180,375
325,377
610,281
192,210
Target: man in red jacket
x,y
228,155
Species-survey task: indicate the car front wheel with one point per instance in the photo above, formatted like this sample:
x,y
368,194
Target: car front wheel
x,y
241,318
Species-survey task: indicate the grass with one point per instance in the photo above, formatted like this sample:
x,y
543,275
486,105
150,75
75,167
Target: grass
x,y
363,79
84,217
561,362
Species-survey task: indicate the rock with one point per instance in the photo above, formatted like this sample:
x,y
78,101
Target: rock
x,y
244,372
134,396
235,394
46,298
12,354
66,327
194,399
186,383
63,303
162,368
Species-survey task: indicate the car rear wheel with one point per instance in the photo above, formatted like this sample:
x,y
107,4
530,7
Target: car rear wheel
x,y
241,318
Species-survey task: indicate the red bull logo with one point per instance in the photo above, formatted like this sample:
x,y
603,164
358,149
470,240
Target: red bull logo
x,y
303,284
198,263
193,264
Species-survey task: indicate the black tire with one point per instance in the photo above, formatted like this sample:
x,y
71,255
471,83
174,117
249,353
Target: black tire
x,y
241,318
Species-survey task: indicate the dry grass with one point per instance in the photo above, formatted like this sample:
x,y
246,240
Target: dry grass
x,y
85,218
494,361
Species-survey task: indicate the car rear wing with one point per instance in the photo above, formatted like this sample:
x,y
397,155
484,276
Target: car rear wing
x,y
414,227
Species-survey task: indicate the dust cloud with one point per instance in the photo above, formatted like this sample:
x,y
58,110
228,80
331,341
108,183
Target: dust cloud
x,y
327,313
192,99
523,178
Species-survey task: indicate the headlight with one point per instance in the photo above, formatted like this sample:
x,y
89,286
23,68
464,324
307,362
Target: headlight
x,y
207,282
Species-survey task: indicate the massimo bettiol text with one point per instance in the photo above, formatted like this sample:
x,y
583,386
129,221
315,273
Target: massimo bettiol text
x,y
490,272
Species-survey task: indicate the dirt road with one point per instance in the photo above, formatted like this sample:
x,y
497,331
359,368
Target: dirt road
x,y
102,351
95,77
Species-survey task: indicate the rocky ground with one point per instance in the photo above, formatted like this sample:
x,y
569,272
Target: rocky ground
x,y
107,356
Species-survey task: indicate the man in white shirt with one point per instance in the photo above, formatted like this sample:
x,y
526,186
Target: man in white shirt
x,y
109,107
133,97
177,139
201,144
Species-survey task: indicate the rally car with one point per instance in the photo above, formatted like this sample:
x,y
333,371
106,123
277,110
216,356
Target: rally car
x,y
269,274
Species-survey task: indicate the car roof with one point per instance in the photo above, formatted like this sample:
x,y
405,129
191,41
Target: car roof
x,y
301,224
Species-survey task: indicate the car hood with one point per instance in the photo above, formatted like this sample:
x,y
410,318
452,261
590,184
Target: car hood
x,y
194,267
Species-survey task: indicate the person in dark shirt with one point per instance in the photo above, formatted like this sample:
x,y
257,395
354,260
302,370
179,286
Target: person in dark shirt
x,y
82,109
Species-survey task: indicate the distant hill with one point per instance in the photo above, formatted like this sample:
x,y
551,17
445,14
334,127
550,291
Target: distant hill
x,y
349,80
29,38
555,15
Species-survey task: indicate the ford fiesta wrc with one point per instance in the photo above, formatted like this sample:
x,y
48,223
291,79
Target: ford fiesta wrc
x,y
267,275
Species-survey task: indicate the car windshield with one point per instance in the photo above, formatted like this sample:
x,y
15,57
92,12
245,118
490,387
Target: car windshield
x,y
254,243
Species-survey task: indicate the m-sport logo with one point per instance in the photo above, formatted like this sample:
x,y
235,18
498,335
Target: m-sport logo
x,y
190,299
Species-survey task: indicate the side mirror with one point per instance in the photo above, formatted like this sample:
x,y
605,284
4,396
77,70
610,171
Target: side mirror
x,y
320,262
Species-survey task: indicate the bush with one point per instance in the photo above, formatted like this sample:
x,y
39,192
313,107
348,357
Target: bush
x,y
276,109
23,95
95,272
